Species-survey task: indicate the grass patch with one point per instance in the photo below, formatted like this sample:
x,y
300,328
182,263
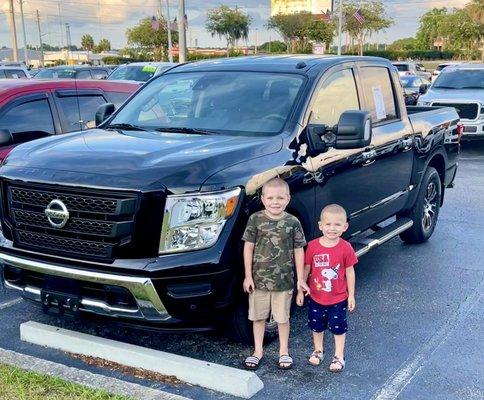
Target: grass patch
x,y
17,384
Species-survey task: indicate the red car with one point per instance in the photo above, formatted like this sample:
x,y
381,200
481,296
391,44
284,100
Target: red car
x,y
31,109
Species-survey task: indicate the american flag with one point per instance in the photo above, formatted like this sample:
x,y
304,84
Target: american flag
x,y
359,16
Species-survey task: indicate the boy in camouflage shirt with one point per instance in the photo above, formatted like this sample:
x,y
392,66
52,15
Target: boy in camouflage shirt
x,y
274,242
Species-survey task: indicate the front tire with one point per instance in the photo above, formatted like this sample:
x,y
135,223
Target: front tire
x,y
425,211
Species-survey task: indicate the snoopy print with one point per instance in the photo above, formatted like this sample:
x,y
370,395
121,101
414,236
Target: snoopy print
x,y
328,275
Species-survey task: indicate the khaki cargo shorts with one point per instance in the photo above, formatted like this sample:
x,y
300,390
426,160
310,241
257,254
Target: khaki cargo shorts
x,y
263,302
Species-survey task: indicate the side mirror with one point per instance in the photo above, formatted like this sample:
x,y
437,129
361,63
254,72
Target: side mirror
x,y
103,113
353,130
423,88
6,137
316,145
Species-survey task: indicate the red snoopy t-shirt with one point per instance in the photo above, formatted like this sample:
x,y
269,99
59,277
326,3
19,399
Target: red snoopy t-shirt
x,y
327,278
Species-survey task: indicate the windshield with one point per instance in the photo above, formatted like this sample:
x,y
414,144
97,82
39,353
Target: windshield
x,y
461,79
57,73
140,73
401,67
244,103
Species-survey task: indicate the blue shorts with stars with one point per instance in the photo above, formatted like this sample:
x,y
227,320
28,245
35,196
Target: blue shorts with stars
x,y
331,317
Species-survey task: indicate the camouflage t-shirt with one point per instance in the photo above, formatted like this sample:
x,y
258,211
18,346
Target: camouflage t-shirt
x,y
275,241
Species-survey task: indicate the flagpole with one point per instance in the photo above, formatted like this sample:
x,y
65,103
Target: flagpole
x,y
340,23
168,25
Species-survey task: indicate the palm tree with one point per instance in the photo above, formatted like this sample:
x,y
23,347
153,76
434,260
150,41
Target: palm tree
x,y
475,9
87,43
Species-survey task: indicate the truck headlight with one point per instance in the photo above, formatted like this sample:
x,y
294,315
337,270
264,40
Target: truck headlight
x,y
194,221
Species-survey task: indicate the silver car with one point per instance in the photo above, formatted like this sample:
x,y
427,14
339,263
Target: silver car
x,y
462,87
139,71
411,68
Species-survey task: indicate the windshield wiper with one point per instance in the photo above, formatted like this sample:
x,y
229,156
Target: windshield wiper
x,y
472,87
186,130
445,87
126,127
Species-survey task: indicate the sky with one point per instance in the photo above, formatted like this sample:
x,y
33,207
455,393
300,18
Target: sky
x,y
110,18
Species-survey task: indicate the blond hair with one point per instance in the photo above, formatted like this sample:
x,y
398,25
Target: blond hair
x,y
333,209
276,182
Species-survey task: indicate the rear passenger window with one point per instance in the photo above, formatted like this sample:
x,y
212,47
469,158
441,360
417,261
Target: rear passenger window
x,y
79,112
117,98
330,102
27,117
84,75
99,74
378,90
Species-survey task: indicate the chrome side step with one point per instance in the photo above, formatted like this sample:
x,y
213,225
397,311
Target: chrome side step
x,y
365,244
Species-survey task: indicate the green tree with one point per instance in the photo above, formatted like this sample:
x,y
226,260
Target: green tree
x,y
87,43
148,41
461,32
321,31
103,45
374,16
274,46
404,44
292,27
233,24
432,26
475,9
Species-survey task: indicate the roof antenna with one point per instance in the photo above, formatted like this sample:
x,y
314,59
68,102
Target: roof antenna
x,y
300,65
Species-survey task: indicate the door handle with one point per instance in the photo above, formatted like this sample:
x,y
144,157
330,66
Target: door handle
x,y
368,155
406,143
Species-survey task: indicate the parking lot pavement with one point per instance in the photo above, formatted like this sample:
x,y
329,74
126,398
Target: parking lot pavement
x,y
417,332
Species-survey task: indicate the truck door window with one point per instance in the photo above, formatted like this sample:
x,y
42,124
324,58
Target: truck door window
x,y
330,103
15,73
27,117
79,111
379,95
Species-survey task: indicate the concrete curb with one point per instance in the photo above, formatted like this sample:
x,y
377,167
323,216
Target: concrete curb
x,y
85,378
209,375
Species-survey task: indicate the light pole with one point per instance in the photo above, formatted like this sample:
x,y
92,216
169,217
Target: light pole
x,y
26,58
182,39
13,32
168,28
40,39
340,24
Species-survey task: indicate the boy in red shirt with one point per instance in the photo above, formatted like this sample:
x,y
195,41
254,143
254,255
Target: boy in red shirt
x,y
329,262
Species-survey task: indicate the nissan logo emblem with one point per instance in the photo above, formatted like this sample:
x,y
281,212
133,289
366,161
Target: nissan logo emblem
x,y
57,214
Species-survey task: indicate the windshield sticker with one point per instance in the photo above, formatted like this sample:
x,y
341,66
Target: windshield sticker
x,y
379,103
149,68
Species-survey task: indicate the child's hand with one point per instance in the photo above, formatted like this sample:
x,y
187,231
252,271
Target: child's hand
x,y
351,303
301,285
300,298
249,285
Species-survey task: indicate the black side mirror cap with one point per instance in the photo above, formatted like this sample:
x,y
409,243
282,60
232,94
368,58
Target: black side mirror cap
x,y
6,137
353,130
316,145
423,88
103,113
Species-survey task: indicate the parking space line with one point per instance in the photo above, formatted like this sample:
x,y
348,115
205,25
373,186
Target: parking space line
x,y
402,377
85,378
10,303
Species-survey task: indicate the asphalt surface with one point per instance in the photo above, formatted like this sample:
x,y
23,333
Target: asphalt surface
x,y
417,332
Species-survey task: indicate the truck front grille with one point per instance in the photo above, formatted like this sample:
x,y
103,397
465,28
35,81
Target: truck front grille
x,y
98,221
465,110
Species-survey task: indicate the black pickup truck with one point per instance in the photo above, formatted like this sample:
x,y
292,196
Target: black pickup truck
x,y
141,218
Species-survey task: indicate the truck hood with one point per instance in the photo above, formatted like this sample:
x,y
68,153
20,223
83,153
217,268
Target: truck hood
x,y
134,159
454,95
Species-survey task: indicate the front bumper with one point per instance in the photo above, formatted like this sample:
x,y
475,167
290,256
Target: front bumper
x,y
148,305
473,129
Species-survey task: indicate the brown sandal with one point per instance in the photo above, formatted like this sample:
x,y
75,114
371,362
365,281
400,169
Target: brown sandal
x,y
318,355
337,361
